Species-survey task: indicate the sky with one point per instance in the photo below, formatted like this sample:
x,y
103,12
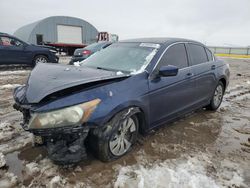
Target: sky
x,y
213,22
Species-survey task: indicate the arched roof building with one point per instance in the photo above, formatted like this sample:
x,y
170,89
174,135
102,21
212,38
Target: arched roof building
x,y
58,30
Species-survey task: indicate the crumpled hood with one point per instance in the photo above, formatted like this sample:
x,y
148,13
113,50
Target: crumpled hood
x,y
47,78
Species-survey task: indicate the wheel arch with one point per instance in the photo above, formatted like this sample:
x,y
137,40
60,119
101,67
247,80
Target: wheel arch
x,y
40,54
224,82
138,110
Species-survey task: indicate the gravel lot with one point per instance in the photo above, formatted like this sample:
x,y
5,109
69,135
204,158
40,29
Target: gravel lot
x,y
204,149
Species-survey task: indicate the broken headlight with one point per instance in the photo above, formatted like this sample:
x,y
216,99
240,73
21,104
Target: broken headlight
x,y
74,115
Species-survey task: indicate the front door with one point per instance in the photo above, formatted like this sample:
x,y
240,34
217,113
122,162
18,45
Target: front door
x,y
170,96
12,51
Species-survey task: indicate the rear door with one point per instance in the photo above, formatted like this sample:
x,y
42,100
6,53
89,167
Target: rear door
x,y
204,67
170,96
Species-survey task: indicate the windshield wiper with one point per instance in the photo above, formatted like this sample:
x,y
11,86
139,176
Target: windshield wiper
x,y
106,69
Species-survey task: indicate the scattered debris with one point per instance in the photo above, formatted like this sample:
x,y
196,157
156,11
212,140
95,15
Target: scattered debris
x,y
57,181
32,169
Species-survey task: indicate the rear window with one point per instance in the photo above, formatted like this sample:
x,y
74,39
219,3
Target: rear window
x,y
96,46
198,54
176,55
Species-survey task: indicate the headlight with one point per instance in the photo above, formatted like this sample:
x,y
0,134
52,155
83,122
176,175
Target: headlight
x,y
73,115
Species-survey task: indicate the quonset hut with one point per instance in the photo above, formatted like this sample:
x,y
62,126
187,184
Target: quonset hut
x,y
63,32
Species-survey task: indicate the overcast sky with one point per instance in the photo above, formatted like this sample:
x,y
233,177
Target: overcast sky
x,y
213,22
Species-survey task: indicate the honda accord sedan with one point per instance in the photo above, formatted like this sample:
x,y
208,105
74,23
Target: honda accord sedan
x,y
127,89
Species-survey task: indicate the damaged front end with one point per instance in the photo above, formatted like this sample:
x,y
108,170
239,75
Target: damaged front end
x,y
57,105
63,131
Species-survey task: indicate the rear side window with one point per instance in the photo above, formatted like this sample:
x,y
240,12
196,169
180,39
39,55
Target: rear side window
x,y
96,46
209,54
198,54
176,55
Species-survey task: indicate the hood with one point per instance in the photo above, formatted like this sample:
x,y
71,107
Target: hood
x,y
46,79
46,47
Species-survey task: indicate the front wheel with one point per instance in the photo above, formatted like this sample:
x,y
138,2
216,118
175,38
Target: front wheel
x,y
217,97
117,138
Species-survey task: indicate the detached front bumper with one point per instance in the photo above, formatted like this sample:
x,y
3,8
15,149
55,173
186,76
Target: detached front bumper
x,y
64,146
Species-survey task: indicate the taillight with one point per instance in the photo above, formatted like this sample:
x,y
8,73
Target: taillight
x,y
86,52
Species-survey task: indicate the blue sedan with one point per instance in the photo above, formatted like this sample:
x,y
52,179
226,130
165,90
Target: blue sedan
x,y
13,51
128,88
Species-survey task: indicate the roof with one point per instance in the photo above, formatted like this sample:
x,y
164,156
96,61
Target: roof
x,y
159,40
24,32
4,34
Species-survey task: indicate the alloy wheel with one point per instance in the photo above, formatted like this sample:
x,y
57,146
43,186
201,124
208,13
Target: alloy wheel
x,y
218,94
121,141
41,60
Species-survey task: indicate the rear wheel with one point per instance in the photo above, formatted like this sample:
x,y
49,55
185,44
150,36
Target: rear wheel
x,y
40,59
217,97
117,137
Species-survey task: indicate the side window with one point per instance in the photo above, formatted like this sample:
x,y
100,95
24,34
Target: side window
x,y
209,54
106,45
176,55
7,41
198,54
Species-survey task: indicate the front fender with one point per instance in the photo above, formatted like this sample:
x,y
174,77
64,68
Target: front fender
x,y
104,118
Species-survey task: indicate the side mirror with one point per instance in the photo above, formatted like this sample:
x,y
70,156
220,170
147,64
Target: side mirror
x,y
169,70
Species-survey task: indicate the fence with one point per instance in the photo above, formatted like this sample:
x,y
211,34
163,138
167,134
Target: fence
x,y
230,50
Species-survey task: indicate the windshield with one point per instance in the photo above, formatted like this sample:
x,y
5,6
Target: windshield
x,y
125,57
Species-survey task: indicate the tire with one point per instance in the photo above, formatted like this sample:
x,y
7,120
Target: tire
x,y
116,138
40,59
217,97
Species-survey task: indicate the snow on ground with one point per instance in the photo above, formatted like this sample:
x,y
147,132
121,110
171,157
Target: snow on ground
x,y
2,160
191,172
8,180
6,131
9,86
17,72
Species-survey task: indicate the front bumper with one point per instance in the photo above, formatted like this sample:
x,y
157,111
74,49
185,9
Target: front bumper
x,y
65,145
54,58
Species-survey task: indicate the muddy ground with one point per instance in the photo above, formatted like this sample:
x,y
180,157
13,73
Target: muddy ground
x,y
205,149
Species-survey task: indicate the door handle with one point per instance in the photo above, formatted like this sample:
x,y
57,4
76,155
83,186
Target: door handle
x,y
213,67
190,74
